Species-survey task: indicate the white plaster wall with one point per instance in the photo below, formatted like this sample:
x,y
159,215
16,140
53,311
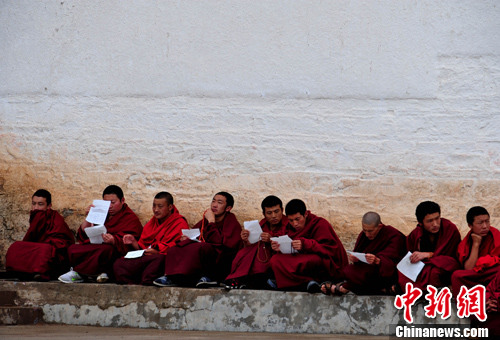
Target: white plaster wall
x,y
350,105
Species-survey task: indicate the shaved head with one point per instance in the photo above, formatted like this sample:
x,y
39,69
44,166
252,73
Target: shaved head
x,y
371,218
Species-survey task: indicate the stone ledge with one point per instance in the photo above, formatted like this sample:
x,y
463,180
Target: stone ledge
x,y
213,309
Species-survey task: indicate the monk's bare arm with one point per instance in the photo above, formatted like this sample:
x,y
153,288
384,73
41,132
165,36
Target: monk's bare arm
x,y
474,252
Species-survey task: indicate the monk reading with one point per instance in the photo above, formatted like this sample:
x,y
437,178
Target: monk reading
x,y
478,253
93,260
42,254
318,253
383,247
434,242
251,263
206,261
158,236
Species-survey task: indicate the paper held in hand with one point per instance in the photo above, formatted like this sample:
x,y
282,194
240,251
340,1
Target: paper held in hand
x,y
285,243
408,269
98,212
255,230
134,254
192,234
95,233
359,256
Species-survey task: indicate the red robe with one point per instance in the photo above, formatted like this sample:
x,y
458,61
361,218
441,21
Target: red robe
x,y
493,320
254,258
189,260
390,246
487,265
323,256
94,259
145,269
43,249
438,268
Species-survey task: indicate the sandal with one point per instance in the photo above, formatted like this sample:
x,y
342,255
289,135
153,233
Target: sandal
x,y
337,290
328,287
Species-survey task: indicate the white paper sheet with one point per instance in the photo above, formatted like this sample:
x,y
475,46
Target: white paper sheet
x,y
359,256
134,254
95,233
285,243
408,269
255,230
192,234
98,212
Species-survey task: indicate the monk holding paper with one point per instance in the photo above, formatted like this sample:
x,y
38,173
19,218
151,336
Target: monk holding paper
x,y
434,242
317,255
93,260
251,263
42,254
158,236
381,247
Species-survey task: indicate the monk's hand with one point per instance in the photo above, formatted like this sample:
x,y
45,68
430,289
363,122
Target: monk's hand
x,y
476,239
265,237
297,245
372,259
183,238
244,235
150,251
352,258
128,239
209,215
275,246
419,256
492,305
88,209
108,238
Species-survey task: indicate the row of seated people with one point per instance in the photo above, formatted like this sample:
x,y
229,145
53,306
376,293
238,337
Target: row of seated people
x,y
223,254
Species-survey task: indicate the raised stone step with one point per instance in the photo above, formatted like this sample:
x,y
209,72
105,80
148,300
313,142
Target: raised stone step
x,y
14,315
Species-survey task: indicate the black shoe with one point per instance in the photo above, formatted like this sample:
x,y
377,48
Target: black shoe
x,y
313,287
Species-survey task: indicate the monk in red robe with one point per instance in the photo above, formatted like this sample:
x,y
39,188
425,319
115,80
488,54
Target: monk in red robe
x,y
317,255
251,264
158,235
434,242
91,260
206,261
478,253
42,254
492,308
383,247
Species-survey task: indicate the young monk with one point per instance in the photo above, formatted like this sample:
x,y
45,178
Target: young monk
x,y
434,241
42,254
251,263
207,262
158,236
96,260
478,253
320,254
384,246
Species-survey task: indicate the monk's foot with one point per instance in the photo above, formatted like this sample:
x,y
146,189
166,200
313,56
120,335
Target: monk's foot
x,y
326,287
338,289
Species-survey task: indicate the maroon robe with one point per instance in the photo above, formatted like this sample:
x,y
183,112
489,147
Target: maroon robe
x,y
322,256
438,268
189,260
487,265
390,246
94,259
43,249
144,269
253,259
493,320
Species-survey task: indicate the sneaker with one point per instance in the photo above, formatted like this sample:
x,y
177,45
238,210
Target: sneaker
x,y
163,281
272,284
205,282
313,287
102,278
71,277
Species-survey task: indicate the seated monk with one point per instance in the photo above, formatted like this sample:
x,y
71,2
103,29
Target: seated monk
x,y
434,242
319,253
492,308
42,254
158,236
207,262
478,253
384,246
251,263
96,260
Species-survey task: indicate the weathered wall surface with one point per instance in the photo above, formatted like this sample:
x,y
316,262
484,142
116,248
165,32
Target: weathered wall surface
x,y
349,106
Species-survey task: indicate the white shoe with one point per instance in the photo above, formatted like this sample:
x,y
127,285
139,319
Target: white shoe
x,y
102,278
71,277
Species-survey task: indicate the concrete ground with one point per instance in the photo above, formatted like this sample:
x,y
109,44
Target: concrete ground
x,y
54,332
